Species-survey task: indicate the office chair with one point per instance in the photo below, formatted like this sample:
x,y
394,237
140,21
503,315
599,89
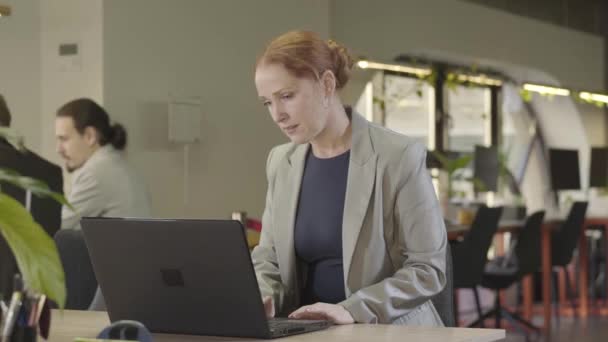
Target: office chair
x,y
523,258
470,255
565,240
80,279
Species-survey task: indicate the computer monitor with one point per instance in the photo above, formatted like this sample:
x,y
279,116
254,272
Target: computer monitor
x,y
564,168
598,172
486,166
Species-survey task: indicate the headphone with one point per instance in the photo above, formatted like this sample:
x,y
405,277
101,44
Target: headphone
x,y
126,330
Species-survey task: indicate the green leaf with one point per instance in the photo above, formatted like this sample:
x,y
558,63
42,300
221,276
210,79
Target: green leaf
x,y
452,86
12,137
37,187
526,95
34,250
452,165
462,161
478,184
443,159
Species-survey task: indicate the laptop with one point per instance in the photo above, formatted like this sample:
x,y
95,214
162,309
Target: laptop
x,y
182,277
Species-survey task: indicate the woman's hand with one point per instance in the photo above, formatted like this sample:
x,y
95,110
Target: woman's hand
x,y
337,314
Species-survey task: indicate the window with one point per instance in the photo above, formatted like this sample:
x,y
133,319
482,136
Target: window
x,y
407,105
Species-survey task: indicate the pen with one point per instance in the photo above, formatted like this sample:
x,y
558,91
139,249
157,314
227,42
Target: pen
x,y
11,315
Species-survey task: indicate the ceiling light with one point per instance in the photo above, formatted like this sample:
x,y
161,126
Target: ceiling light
x,y
546,90
479,79
593,97
363,64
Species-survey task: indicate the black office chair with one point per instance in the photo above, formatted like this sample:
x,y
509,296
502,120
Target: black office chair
x,y
565,240
523,258
470,255
444,300
80,279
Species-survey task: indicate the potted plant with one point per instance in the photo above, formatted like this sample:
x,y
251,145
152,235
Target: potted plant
x,y
35,251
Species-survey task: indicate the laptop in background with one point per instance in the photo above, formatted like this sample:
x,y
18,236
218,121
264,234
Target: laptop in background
x,y
182,277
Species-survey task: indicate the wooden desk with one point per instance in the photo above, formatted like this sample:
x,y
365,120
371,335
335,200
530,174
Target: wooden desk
x,y
504,226
70,324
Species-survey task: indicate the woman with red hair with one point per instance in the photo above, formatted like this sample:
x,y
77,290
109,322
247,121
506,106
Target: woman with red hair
x,y
352,230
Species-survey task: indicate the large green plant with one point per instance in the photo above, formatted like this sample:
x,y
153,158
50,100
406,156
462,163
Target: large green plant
x,y
34,250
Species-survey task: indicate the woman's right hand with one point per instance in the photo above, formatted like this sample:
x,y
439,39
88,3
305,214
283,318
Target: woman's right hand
x,y
268,306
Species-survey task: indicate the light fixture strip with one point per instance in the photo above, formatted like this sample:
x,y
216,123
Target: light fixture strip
x,y
479,79
546,90
593,97
363,64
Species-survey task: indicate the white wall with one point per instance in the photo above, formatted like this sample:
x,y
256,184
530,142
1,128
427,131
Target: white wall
x,y
64,79
595,121
20,67
134,53
205,49
383,29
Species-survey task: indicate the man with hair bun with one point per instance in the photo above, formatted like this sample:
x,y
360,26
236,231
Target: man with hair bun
x,y
352,231
102,182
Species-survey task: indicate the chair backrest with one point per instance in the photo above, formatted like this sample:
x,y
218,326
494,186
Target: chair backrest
x,y
444,300
80,279
528,245
470,256
565,240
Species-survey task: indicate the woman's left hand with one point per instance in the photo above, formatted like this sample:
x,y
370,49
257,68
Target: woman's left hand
x,y
337,314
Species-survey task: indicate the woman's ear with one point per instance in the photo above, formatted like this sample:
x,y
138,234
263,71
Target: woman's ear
x,y
328,81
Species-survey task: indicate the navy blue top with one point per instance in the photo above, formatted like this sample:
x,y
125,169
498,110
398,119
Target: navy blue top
x,y
318,227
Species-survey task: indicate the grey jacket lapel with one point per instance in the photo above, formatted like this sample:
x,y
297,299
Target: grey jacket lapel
x,y
359,187
286,214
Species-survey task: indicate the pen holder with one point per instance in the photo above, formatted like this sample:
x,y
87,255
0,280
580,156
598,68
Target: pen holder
x,y
25,317
24,334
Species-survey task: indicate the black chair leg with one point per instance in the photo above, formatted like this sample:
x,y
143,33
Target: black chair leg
x,y
478,305
456,315
517,321
507,315
498,310
554,295
593,268
521,320
481,319
569,290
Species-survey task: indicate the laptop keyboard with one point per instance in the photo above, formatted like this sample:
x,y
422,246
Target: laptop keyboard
x,y
285,326
281,323
275,324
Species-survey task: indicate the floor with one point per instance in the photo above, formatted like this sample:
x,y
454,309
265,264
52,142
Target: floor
x,y
591,329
